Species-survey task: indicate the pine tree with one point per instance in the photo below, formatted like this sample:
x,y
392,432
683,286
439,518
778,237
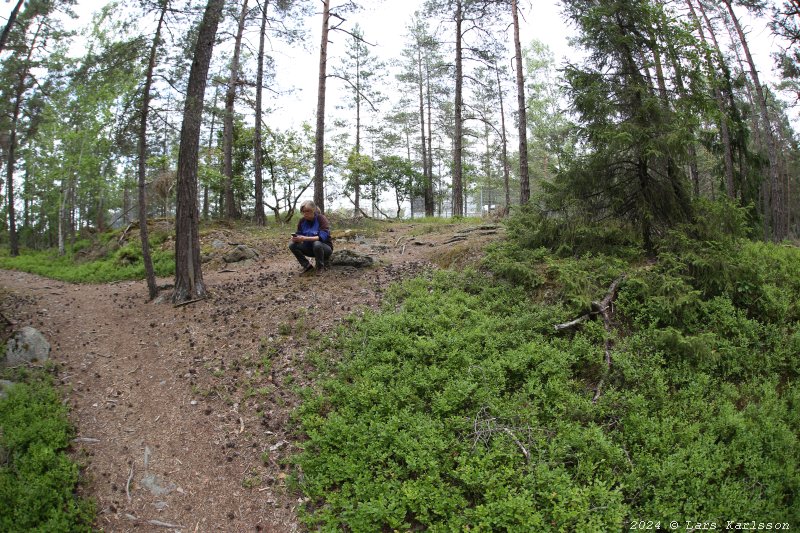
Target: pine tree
x,y
188,273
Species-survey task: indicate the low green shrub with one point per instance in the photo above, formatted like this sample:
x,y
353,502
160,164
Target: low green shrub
x,y
37,479
459,407
568,236
123,264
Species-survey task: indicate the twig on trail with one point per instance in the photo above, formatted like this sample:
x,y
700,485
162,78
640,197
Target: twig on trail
x,y
8,321
159,523
241,425
225,270
403,250
128,485
134,370
85,439
189,302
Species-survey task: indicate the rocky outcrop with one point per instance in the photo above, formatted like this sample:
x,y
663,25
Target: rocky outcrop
x,y
27,345
240,253
351,259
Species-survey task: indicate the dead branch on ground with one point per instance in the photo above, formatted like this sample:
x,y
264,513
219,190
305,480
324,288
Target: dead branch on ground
x,y
603,308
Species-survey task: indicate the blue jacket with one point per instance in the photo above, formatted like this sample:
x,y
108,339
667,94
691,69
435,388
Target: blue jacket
x,y
317,227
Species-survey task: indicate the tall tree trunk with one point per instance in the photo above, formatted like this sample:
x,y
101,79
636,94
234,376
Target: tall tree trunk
x,y
206,199
12,148
727,144
260,216
150,276
524,180
357,174
62,208
691,150
775,189
506,178
426,177
227,136
9,24
429,102
19,94
458,187
319,150
189,283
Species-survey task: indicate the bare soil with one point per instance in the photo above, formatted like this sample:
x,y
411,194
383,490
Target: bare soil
x,y
183,413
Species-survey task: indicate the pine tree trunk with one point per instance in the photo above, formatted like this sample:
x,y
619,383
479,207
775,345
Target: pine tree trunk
x,y
458,140
506,177
430,189
524,180
206,199
428,182
775,189
319,150
231,210
189,283
12,145
150,276
357,174
727,143
260,216
9,24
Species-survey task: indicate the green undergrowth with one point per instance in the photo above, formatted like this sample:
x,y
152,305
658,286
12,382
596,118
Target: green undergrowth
x,y
122,264
97,258
38,481
459,407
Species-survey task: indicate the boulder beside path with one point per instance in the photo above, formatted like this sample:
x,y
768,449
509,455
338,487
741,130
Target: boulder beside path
x,y
27,345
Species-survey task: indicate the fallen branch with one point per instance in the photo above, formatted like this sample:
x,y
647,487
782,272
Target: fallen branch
x,y
454,239
159,523
521,447
604,309
7,320
189,302
125,233
485,427
573,323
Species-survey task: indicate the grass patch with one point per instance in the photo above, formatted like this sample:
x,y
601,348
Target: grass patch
x,y
38,481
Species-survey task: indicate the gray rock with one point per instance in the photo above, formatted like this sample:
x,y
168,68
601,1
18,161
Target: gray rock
x,y
26,346
350,258
218,244
240,253
157,485
5,386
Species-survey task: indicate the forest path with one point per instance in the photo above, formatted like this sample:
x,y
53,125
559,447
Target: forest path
x,y
182,412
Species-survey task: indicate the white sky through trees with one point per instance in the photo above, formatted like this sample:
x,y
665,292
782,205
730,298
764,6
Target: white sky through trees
x,y
384,23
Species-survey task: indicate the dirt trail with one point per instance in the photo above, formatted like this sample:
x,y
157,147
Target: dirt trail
x,y
182,413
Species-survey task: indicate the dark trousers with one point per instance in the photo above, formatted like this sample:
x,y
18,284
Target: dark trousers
x,y
320,251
